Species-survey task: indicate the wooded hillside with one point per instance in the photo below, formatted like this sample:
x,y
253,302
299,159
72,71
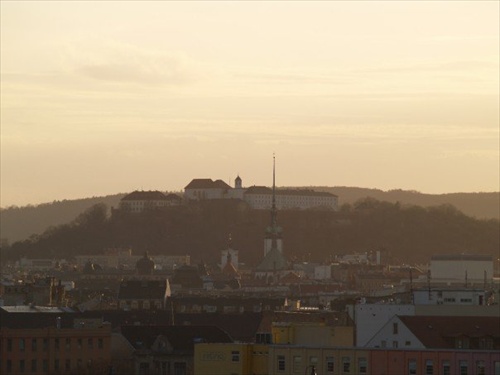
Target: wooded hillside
x,y
18,223
406,233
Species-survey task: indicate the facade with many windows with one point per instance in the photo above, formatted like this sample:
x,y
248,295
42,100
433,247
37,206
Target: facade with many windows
x,y
260,359
55,350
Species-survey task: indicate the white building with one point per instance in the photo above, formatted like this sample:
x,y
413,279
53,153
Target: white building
x,y
206,188
476,297
259,197
462,267
140,201
370,318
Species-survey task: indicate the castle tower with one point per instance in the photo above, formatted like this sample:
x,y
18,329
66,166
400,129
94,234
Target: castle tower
x,y
237,182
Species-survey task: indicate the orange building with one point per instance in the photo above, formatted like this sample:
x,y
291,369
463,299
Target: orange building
x,y
53,350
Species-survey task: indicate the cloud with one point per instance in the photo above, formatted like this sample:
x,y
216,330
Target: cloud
x,y
114,62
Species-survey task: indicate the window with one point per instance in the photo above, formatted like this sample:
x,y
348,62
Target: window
x,y
395,328
45,366
179,368
362,366
263,338
33,365
9,366
429,367
446,368
90,343
79,343
22,345
9,345
462,343
67,365
235,356
412,367
313,361
496,366
100,343
281,363
480,369
45,344
297,363
22,366
383,344
56,344
56,365
33,345
330,364
68,344
407,343
463,367
346,365
394,344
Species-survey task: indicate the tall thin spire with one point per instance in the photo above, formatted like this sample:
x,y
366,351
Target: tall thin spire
x,y
274,211
273,208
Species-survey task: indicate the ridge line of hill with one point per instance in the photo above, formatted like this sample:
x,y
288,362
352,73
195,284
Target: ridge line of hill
x,y
18,223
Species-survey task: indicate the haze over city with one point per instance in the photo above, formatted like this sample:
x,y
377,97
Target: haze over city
x,y
105,97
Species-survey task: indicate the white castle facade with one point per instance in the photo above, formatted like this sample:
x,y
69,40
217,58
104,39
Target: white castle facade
x,y
260,197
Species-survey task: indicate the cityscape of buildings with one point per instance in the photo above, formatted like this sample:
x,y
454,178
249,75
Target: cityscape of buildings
x,y
120,312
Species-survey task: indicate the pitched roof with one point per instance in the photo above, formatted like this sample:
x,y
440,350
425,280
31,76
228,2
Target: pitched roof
x,y
200,183
173,197
290,278
436,331
207,183
229,269
145,196
241,327
297,192
182,338
462,257
143,289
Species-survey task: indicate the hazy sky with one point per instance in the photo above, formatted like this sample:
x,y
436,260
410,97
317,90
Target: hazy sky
x,y
105,97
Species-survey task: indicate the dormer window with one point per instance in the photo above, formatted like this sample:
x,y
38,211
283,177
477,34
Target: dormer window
x,y
462,343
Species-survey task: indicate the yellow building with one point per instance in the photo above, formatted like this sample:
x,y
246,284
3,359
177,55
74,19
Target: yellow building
x,y
251,359
312,334
231,359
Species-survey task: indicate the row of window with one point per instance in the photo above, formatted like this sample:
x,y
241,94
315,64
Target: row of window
x,y
347,367
22,343
346,364
463,367
34,366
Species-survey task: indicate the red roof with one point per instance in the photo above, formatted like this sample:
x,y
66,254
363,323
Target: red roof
x,y
441,331
145,196
207,183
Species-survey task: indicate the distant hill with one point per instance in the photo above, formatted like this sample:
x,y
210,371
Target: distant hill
x,y
18,223
478,205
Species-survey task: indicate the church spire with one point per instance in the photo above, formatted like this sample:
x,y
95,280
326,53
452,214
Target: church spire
x,y
274,211
273,231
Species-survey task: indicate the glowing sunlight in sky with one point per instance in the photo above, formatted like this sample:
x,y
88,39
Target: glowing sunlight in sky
x,y
106,97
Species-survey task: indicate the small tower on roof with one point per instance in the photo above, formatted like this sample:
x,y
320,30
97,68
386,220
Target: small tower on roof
x,y
237,182
229,254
